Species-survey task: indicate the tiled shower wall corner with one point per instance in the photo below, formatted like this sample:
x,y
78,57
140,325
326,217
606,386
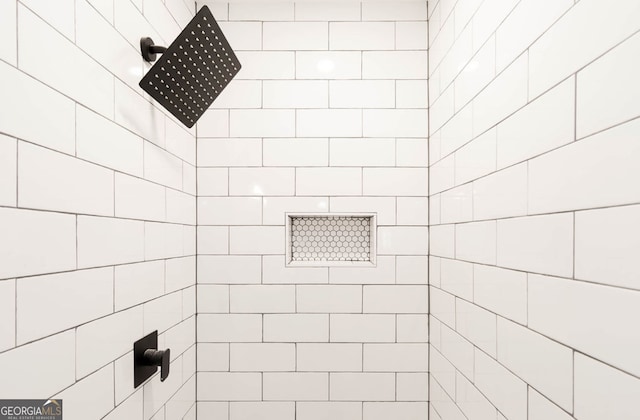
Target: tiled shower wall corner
x,y
328,114
535,221
97,210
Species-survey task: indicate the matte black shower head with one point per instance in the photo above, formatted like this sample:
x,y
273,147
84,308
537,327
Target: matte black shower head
x,y
192,71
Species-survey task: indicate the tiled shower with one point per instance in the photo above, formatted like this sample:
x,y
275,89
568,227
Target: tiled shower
x,y
397,210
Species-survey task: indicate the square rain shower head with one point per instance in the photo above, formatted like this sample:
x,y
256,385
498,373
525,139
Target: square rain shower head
x,y
193,70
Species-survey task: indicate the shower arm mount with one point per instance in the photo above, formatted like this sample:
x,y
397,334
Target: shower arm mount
x,y
149,50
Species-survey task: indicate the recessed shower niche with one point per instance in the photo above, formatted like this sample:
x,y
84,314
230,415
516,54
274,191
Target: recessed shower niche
x,y
336,239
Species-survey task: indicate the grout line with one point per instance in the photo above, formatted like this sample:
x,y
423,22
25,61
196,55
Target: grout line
x,y
522,271
446,325
617,125
196,285
529,100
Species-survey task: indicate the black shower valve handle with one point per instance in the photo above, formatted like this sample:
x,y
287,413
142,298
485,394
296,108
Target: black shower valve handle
x,y
147,358
160,358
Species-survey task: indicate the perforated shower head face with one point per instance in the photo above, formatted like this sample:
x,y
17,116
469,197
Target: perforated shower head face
x,y
194,69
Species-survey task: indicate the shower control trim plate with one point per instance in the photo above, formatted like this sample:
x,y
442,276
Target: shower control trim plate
x,y
147,358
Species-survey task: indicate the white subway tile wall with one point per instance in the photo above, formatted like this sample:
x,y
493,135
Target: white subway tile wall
x,y
329,114
534,221
523,196
97,188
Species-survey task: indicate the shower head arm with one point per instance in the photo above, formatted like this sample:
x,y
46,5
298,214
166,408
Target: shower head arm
x,y
149,49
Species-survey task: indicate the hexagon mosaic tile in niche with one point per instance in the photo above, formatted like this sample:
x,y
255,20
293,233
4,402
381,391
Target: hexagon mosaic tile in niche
x,y
331,238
